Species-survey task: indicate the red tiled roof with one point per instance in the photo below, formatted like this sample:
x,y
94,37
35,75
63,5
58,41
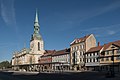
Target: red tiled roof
x,y
48,52
105,46
93,49
117,43
110,43
82,39
60,52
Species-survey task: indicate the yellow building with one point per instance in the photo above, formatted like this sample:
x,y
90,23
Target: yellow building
x,y
110,56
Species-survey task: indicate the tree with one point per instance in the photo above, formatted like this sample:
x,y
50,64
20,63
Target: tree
x,y
5,64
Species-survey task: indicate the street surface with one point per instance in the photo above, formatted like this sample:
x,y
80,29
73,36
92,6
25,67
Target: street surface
x,y
15,75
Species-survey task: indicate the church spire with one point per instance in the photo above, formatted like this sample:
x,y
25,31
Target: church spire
x,y
36,34
36,24
36,18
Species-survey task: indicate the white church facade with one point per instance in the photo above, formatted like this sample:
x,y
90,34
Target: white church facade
x,y
24,58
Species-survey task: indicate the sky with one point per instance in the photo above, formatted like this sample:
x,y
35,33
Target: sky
x,y
61,21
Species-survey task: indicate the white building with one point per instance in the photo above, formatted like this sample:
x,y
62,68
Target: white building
x,y
61,59
23,58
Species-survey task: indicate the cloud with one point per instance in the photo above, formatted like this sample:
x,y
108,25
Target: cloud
x,y
111,32
103,31
8,11
76,17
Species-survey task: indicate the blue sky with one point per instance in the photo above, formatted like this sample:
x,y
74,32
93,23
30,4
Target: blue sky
x,y
61,21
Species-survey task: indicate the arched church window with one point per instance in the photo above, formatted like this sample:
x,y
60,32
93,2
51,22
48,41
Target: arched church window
x,y
38,46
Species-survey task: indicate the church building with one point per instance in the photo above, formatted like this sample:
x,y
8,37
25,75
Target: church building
x,y
23,59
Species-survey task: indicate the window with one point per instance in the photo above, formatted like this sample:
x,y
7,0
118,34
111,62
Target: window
x,y
118,51
118,58
88,60
103,53
73,48
38,46
77,47
74,57
92,54
110,52
81,53
81,46
102,59
94,60
107,59
107,52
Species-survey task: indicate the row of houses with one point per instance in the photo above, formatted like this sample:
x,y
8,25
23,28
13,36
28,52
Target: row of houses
x,y
55,60
104,57
86,55
82,54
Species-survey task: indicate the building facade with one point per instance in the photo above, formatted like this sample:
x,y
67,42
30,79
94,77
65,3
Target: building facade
x,y
78,49
61,60
22,60
104,57
92,61
45,61
110,56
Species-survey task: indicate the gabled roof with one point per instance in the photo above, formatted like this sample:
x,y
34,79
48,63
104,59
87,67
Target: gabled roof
x,y
48,53
95,49
82,39
110,43
117,43
104,47
62,52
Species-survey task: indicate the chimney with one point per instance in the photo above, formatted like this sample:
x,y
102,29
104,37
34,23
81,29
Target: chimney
x,y
98,43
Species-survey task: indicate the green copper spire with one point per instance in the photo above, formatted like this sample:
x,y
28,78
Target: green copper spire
x,y
36,34
36,18
36,24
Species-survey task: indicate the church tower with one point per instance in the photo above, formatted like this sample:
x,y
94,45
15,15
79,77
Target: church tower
x,y
36,42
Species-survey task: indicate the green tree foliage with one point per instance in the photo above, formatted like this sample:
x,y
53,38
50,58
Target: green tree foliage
x,y
5,64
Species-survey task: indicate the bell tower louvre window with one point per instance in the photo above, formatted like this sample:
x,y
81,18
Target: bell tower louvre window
x,y
38,46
